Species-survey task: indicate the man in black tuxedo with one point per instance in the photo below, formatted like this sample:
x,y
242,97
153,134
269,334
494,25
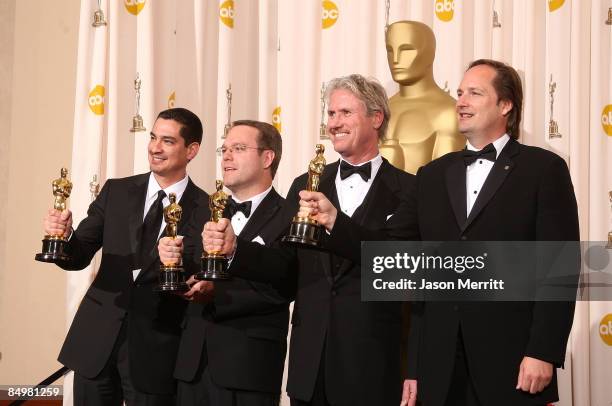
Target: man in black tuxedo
x,y
234,340
343,351
123,341
468,353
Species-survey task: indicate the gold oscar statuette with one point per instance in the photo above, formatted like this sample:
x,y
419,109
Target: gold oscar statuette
x,y
322,127
99,20
137,122
423,124
54,246
214,264
172,275
553,127
609,245
306,231
228,124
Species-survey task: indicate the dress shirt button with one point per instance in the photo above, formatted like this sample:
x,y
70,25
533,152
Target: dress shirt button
x,y
475,191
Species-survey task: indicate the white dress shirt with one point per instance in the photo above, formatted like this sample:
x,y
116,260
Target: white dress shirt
x,y
352,190
153,187
477,172
239,220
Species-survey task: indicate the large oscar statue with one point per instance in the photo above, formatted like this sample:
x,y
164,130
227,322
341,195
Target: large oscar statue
x,y
54,246
172,276
214,264
423,123
306,231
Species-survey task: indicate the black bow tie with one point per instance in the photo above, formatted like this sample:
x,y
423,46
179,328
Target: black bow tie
x,y
233,208
347,170
488,153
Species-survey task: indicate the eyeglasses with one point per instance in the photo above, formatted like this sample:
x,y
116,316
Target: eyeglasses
x,y
236,149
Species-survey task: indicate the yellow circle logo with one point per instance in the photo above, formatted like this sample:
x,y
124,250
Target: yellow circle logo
x,y
96,100
171,100
134,6
276,118
605,329
445,9
226,13
329,14
606,119
555,4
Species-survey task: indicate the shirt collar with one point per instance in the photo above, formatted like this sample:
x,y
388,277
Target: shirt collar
x,y
376,163
255,200
499,144
177,188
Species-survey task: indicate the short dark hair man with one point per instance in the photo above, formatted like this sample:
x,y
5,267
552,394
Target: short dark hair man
x,y
234,342
123,340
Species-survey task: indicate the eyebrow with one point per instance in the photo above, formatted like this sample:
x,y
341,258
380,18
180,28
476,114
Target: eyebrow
x,y
163,136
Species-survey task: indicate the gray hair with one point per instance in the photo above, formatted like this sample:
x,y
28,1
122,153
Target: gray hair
x,y
369,91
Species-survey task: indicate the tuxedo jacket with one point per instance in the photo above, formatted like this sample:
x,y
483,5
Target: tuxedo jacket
x,y
527,196
114,223
243,331
356,344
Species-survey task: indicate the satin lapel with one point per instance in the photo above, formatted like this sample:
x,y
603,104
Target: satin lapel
x,y
188,202
455,185
328,188
137,193
502,167
372,201
261,216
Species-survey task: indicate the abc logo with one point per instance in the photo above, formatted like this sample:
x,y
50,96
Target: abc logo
x,y
226,13
555,4
329,14
134,6
96,100
605,329
445,9
606,119
276,118
171,100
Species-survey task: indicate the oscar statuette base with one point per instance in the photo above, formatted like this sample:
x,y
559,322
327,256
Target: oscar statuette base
x,y
214,268
53,250
304,232
171,279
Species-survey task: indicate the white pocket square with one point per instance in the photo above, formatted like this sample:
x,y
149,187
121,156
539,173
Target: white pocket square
x,y
389,216
259,240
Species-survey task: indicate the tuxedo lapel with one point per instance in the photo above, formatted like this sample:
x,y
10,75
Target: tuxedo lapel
x,y
188,202
328,188
374,205
502,167
261,216
137,193
455,185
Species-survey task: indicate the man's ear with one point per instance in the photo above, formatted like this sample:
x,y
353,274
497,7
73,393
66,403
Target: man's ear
x,y
377,119
506,107
192,150
269,156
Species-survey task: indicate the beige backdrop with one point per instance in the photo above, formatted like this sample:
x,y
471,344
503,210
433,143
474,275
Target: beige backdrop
x,y
275,54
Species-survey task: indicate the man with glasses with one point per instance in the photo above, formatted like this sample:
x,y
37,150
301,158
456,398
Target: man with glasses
x,y
233,346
